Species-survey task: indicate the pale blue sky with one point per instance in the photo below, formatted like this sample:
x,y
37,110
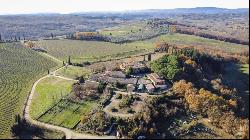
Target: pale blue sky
x,y
69,6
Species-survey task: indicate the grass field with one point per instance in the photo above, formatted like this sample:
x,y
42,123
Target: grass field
x,y
74,72
123,29
66,113
19,68
199,41
51,105
81,51
48,92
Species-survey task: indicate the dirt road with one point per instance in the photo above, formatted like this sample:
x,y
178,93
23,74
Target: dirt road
x,y
70,134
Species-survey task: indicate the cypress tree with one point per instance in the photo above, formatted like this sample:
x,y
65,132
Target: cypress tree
x,y
69,61
149,57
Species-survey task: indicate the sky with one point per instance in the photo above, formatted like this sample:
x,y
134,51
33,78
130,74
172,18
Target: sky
x,y
70,6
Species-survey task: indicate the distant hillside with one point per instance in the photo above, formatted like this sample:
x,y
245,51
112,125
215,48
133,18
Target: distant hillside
x,y
197,10
33,26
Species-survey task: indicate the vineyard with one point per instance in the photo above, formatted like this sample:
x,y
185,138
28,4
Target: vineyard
x,y
19,68
81,51
127,33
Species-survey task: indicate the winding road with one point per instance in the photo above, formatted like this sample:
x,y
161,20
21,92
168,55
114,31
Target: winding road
x,y
70,134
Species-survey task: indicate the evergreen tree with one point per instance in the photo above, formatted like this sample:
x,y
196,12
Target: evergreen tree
x,y
69,61
81,79
149,57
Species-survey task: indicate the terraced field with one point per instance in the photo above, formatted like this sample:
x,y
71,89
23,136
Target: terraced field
x,y
19,68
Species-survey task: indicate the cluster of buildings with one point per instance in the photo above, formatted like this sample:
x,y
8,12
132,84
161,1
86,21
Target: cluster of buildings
x,y
141,80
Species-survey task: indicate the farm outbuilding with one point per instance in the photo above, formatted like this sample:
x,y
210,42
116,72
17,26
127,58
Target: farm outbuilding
x,y
130,87
115,74
150,88
141,87
137,67
156,79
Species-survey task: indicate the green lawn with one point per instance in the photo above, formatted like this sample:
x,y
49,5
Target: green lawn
x,y
67,113
74,72
48,92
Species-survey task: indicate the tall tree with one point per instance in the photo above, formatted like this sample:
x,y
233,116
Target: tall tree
x,y
149,57
0,37
52,36
81,79
167,66
69,61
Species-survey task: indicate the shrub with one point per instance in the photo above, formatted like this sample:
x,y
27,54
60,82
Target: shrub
x,y
130,110
126,101
101,87
84,119
118,96
114,109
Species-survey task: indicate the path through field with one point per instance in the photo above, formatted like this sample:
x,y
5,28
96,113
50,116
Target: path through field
x,y
70,134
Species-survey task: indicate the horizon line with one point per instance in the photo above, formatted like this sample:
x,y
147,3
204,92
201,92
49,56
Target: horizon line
x,y
115,11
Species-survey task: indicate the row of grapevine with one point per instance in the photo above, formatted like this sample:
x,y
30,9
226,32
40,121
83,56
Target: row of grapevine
x,y
19,68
